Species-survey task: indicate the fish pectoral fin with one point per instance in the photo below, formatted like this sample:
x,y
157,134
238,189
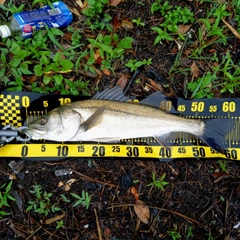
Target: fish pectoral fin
x,y
94,119
162,140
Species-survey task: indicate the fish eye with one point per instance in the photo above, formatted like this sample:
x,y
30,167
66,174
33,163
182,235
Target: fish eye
x,y
42,121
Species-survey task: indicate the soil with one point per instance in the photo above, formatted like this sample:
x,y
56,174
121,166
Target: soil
x,y
200,196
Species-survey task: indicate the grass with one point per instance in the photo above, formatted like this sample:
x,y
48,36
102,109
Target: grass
x,y
30,64
5,197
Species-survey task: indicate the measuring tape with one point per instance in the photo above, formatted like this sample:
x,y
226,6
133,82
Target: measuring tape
x,y
16,108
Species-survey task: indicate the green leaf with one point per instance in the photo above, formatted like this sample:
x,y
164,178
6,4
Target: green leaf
x,y
57,79
57,57
47,79
38,70
15,62
14,48
126,43
44,60
66,64
24,68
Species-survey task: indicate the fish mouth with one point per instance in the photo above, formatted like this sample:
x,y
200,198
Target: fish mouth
x,y
34,132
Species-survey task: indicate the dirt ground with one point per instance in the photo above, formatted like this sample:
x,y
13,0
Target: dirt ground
x,y
200,201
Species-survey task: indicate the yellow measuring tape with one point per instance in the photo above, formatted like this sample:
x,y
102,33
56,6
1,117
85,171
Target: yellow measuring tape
x,y
15,108
109,150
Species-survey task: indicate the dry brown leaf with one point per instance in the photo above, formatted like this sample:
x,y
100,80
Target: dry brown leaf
x,y
135,193
142,211
54,219
183,28
114,3
68,184
122,81
194,70
2,1
106,71
127,24
116,22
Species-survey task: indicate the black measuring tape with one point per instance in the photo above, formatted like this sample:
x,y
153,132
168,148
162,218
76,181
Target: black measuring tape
x,y
17,107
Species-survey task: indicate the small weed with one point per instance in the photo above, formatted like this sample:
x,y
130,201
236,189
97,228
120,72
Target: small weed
x,y
174,234
60,224
96,19
11,8
190,232
84,200
223,164
210,237
135,64
4,197
158,183
173,17
202,87
42,203
138,22
108,47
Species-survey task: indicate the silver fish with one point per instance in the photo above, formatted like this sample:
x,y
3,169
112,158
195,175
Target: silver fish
x,y
109,117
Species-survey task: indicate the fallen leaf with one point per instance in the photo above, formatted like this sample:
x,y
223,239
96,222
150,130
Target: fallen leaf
x,y
68,184
135,193
183,28
54,219
194,70
142,211
116,22
122,81
127,24
220,176
114,3
106,71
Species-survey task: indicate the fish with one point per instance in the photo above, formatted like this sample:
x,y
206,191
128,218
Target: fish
x,y
110,116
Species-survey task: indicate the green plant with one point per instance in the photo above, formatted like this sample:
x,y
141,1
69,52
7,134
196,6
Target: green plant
x,y
134,64
84,200
210,237
174,234
94,12
109,48
160,183
42,203
190,232
49,67
11,8
138,22
202,87
162,35
60,224
4,197
173,17
223,164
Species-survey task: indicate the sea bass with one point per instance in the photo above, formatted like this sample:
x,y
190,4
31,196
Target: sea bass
x,y
109,117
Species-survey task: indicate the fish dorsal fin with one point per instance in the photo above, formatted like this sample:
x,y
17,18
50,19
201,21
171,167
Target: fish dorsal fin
x,y
94,119
155,100
114,94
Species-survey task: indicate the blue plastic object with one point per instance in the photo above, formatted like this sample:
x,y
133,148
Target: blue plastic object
x,y
26,23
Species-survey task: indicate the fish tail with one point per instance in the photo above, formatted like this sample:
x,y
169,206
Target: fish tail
x,y
215,132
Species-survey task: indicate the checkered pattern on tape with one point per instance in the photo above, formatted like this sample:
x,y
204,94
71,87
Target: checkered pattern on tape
x,y
10,110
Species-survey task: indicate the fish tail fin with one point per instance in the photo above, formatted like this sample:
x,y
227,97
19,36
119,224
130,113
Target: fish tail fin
x,y
215,132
